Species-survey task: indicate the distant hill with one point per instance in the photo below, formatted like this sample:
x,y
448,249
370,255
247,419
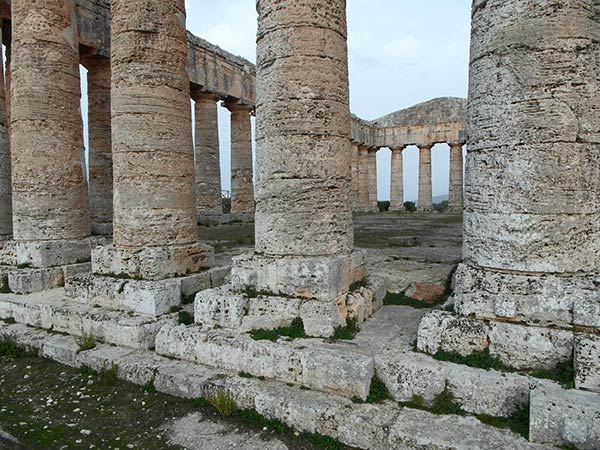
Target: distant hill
x,y
439,199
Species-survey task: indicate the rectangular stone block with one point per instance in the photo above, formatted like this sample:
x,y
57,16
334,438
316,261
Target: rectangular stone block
x,y
62,349
25,337
565,417
587,362
26,281
46,254
183,380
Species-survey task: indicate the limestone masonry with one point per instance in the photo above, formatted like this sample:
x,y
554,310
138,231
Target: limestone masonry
x,y
320,304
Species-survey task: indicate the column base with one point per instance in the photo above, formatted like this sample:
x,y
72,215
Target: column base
x,y
152,263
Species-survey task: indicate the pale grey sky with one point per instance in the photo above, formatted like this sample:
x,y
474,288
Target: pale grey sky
x,y
401,52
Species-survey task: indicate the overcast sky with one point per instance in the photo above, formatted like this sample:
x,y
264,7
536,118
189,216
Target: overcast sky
x,y
401,52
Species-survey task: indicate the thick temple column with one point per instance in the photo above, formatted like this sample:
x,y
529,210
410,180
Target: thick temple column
x,y
242,185
372,204
50,206
355,185
397,187
455,192
208,159
304,232
155,229
100,148
5,178
363,178
425,189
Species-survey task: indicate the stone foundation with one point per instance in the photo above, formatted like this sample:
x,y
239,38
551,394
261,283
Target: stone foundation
x,y
29,280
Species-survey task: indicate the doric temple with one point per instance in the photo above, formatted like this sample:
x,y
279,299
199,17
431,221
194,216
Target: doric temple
x,y
104,245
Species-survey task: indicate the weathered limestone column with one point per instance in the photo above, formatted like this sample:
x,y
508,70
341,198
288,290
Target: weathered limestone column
x,y
455,192
397,188
532,205
242,185
50,206
363,178
372,180
155,229
208,159
425,189
304,232
354,167
5,178
100,147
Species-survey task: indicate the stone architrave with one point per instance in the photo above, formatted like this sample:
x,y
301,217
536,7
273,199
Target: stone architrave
x,y
304,232
242,184
5,178
455,191
51,221
397,182
372,183
208,160
155,229
100,146
425,189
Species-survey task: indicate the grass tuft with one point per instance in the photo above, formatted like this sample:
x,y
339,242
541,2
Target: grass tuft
x,y
480,360
445,403
185,318
348,332
294,331
223,403
8,348
4,287
517,423
378,392
86,342
402,299
563,373
108,375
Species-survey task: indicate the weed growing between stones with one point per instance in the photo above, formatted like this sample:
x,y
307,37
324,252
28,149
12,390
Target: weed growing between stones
x,y
249,375
8,348
517,423
445,403
402,299
86,342
174,309
480,360
417,402
355,287
4,287
108,376
185,318
348,332
223,403
563,373
149,387
378,393
294,331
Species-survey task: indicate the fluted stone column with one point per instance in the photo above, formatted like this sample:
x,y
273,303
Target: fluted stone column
x,y
50,206
155,229
242,185
304,232
355,185
5,178
455,192
363,178
425,189
372,204
100,147
208,159
532,209
397,188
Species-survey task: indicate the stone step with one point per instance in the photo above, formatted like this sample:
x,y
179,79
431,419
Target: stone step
x,y
365,426
153,298
313,363
28,280
51,310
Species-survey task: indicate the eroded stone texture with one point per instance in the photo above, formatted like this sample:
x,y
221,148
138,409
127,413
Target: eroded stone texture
x,y
397,189
48,167
425,188
363,178
355,170
242,186
455,193
302,130
533,158
152,138
207,156
5,179
100,148
587,362
372,180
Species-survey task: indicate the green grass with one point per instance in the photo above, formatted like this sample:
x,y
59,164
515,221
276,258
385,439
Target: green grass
x,y
108,375
401,299
294,331
4,287
563,373
348,332
445,403
480,360
86,342
378,393
517,423
8,348
185,318
223,403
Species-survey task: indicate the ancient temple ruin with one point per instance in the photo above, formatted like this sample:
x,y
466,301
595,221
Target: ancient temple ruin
x,y
110,248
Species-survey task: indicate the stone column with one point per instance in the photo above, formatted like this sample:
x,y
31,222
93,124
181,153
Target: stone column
x,y
304,232
50,205
363,178
397,187
455,192
242,185
155,229
100,147
208,159
355,189
5,178
532,209
425,193
372,204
